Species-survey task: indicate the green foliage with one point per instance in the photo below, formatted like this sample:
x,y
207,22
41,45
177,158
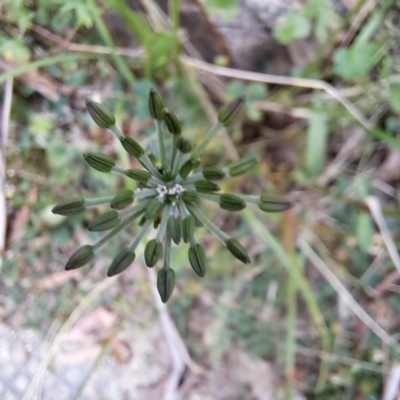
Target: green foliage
x,y
316,145
292,26
227,9
354,62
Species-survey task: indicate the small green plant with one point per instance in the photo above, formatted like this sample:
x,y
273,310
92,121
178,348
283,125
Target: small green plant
x,y
170,185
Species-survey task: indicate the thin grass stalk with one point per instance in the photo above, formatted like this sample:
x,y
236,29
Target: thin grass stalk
x,y
294,269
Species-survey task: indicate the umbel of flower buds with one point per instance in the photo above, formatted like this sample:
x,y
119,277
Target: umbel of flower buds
x,y
164,196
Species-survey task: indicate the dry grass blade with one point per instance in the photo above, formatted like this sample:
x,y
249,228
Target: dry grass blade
x,y
346,296
377,215
5,120
392,384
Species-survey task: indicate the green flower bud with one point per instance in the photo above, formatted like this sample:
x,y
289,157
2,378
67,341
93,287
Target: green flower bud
x,y
271,204
165,283
103,117
155,105
237,250
172,122
132,147
139,175
184,145
104,222
186,168
99,161
121,262
231,202
242,166
188,224
82,256
189,196
154,206
230,113
175,229
69,207
123,198
197,258
153,252
206,186
213,174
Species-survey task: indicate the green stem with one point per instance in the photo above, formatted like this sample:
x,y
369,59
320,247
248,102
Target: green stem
x,y
215,230
167,251
248,198
43,62
174,15
164,223
132,210
120,62
294,269
97,201
207,139
183,209
290,343
146,162
198,176
140,194
116,230
160,133
174,151
143,231
176,164
115,130
209,196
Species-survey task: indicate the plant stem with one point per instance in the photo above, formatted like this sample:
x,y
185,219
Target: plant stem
x,y
174,151
140,194
215,230
97,201
144,229
43,62
146,162
115,130
164,223
198,176
167,251
132,210
209,196
116,230
183,209
249,198
294,269
120,62
160,133
176,164
207,139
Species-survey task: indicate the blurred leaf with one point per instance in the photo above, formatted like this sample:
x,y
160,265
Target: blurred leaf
x,y
364,231
394,98
255,91
14,50
291,26
353,62
227,9
234,89
317,137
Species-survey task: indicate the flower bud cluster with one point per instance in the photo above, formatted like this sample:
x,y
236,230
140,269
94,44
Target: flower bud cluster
x,y
167,196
